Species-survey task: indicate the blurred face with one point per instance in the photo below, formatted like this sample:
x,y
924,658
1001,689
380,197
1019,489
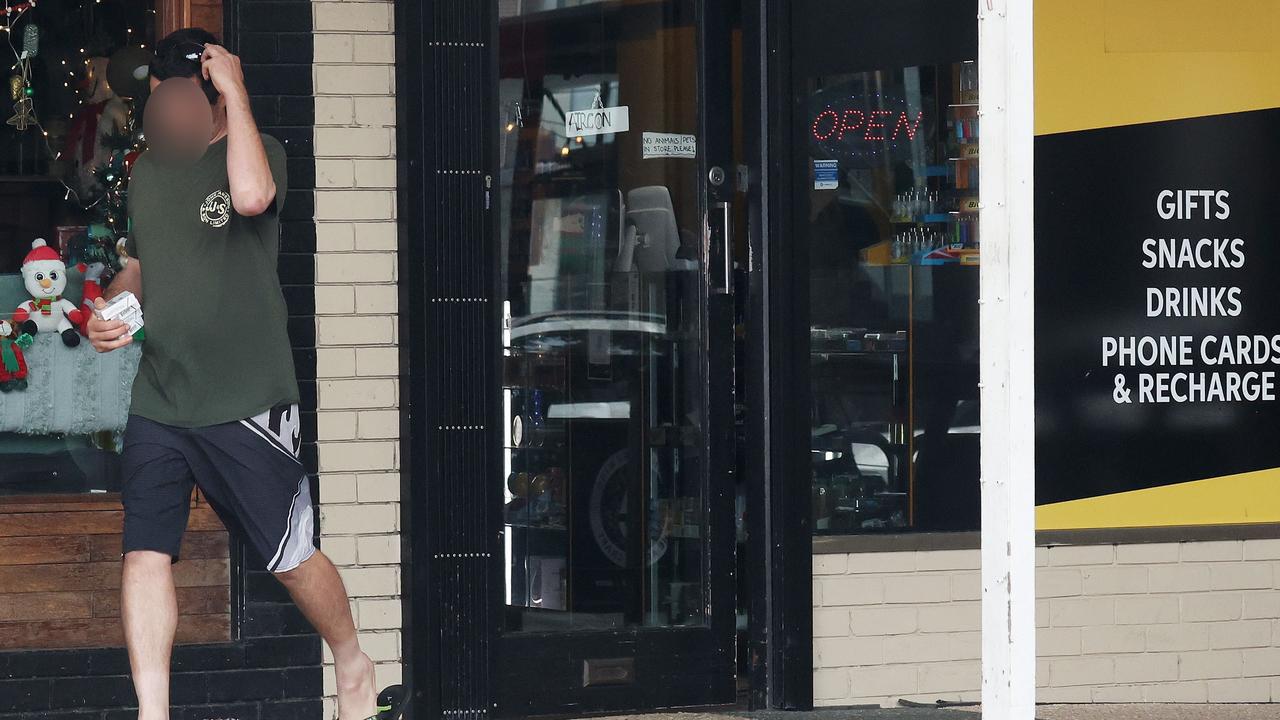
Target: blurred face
x,y
178,120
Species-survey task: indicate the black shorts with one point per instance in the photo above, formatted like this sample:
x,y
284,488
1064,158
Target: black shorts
x,y
248,471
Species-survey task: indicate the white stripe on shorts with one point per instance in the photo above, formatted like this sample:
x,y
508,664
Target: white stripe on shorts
x,y
296,545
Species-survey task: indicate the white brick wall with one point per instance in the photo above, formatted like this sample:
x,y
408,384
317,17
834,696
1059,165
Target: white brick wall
x,y
357,361
1172,622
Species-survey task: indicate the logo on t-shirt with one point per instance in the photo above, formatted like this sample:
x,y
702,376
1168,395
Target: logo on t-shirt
x,y
216,210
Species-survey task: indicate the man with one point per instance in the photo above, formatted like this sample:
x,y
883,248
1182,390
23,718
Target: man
x,y
215,398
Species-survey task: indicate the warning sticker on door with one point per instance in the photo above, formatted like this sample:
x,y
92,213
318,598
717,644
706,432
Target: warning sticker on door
x,y
826,175
669,145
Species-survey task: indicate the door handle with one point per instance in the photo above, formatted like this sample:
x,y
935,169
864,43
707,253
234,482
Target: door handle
x,y
723,216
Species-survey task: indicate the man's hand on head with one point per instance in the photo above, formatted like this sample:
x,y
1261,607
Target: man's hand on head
x,y
223,69
253,189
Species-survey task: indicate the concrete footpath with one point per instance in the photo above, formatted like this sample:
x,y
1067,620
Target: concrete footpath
x,y
1159,712
1044,712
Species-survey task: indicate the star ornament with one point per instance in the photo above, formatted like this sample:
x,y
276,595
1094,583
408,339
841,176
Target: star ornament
x,y
23,115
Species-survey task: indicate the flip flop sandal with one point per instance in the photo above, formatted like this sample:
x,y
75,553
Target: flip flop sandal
x,y
393,701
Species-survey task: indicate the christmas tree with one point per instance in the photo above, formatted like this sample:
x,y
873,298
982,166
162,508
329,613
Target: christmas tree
x,y
102,240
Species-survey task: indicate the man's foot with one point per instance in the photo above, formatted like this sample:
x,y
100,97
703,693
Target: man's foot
x,y
357,692
393,702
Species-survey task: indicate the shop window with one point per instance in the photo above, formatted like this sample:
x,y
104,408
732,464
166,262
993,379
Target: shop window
x,y
891,183
64,159
76,93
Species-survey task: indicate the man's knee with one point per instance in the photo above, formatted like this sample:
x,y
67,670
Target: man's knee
x,y
147,559
295,573
287,577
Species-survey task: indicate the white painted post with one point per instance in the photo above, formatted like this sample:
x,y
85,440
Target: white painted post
x,y
1006,108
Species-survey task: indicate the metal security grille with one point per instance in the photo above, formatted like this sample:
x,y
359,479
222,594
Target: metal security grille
x,y
449,335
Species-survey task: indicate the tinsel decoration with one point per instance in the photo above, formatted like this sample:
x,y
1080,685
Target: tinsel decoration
x,y
31,41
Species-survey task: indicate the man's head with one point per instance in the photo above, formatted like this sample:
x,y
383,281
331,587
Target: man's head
x,y
179,119
173,58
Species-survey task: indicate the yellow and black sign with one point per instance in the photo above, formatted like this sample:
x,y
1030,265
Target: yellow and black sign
x,y
1157,262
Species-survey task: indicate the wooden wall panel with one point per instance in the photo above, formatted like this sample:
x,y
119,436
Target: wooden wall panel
x,y
208,15
174,14
45,550
171,15
60,574
103,632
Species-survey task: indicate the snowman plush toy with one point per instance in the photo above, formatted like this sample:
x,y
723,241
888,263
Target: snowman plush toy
x,y
45,277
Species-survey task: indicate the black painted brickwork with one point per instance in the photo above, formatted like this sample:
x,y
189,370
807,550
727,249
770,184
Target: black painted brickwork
x,y
272,672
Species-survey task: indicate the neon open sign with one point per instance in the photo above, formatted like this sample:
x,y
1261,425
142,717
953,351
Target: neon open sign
x,y
871,125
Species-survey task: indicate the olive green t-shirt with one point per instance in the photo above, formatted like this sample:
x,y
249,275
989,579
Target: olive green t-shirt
x,y
217,346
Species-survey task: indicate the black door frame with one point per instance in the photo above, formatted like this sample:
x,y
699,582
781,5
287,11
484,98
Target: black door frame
x,y
673,666
450,404
445,52
777,472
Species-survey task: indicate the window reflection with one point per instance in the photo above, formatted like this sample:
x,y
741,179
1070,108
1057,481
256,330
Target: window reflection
x,y
509,8
603,483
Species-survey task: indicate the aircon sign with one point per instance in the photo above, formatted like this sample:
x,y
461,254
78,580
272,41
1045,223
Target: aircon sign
x,y
597,121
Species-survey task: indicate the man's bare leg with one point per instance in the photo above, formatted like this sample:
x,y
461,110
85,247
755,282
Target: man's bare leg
x,y
318,590
149,609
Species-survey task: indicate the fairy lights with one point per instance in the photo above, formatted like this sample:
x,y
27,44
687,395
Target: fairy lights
x,y
11,13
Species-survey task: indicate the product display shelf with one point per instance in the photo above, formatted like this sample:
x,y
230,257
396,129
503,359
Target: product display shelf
x,y
930,219
859,468
539,539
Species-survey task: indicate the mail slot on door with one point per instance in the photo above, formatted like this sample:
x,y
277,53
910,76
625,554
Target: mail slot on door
x,y
608,671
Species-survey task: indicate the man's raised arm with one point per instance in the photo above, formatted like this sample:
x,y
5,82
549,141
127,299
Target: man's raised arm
x,y
252,187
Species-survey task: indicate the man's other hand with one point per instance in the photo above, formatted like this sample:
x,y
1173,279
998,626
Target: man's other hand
x,y
107,335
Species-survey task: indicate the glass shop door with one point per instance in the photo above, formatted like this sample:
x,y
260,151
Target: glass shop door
x,y
616,195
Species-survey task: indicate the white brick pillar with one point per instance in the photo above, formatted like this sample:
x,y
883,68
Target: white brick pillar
x,y
357,360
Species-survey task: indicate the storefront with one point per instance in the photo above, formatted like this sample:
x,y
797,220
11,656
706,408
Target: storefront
x,y
665,190
682,408
708,427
